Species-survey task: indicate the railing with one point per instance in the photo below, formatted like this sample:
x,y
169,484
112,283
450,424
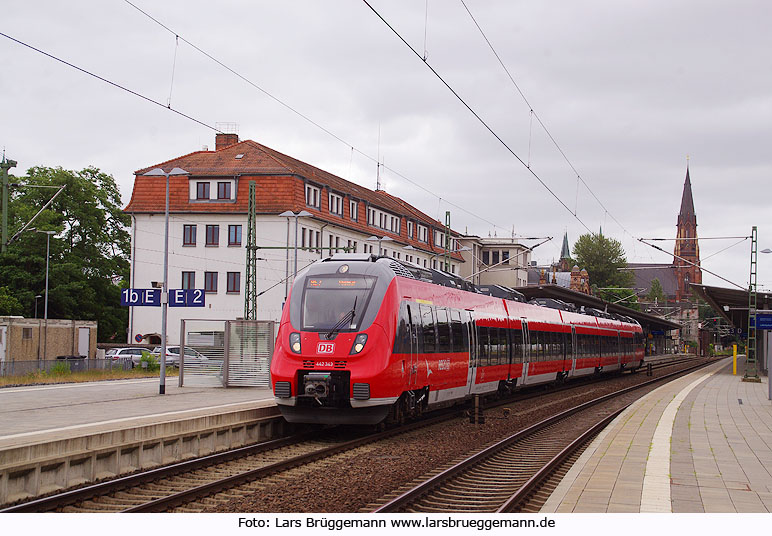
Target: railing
x,y
23,368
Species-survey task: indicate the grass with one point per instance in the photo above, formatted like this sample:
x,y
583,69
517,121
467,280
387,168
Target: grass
x,y
62,374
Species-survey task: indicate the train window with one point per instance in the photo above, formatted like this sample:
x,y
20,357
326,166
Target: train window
x,y
328,300
415,316
516,345
443,332
460,342
537,353
493,358
568,343
402,337
429,329
482,345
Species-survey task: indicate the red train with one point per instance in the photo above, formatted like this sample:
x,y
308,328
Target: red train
x,y
364,339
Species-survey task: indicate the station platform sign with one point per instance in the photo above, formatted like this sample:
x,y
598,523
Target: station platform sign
x,y
151,297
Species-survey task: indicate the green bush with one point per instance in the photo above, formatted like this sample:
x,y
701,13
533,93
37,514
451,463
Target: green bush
x,y
150,359
61,368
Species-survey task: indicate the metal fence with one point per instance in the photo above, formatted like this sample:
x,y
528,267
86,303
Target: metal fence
x,y
230,353
23,368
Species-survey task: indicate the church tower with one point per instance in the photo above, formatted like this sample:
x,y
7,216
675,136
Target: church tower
x,y
686,246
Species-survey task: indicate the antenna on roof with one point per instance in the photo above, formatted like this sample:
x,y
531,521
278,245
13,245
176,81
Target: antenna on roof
x,y
378,170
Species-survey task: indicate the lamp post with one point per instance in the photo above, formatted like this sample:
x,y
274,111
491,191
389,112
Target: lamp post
x,y
289,214
45,306
158,172
36,304
381,239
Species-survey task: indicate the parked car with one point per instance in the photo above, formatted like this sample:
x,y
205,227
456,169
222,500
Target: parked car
x,y
129,352
173,355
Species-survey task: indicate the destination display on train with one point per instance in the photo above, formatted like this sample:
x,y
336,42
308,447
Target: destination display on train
x,y
340,282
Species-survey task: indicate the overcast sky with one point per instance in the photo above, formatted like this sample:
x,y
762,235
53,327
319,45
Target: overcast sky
x,y
626,89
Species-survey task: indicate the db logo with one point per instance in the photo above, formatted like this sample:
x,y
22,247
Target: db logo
x,y
325,348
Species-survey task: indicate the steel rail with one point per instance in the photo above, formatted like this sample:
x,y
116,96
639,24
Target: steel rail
x,y
438,480
535,482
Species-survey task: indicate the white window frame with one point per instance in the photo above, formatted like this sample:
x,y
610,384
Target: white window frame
x,y
335,202
313,196
353,208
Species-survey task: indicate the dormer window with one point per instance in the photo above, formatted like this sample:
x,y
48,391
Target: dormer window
x,y
202,190
223,190
354,210
336,204
313,196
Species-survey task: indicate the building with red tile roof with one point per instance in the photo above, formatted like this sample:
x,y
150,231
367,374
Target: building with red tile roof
x,y
208,228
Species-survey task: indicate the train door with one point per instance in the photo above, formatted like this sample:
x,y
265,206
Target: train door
x,y
572,353
468,320
526,350
413,323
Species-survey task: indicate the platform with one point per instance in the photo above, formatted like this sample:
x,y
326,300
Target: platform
x,y
56,436
702,443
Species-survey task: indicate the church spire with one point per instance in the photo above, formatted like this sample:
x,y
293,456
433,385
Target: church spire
x,y
565,252
687,201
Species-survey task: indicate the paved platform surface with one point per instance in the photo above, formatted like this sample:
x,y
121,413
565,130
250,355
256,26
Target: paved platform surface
x,y
702,443
63,409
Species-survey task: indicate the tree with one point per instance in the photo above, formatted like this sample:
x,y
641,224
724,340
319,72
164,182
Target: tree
x,y
9,305
621,296
89,254
656,292
602,258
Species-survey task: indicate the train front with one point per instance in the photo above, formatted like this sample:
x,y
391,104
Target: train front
x,y
331,362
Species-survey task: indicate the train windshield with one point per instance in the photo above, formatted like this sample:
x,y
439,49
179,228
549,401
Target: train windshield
x,y
335,302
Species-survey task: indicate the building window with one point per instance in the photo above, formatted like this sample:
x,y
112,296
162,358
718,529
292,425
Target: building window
x,y
26,333
495,258
505,257
234,282
353,208
312,196
188,280
223,190
234,235
336,204
486,257
188,235
410,229
202,190
212,235
423,233
210,282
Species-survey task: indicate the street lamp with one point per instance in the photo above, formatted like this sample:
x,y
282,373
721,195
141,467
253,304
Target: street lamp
x,y
45,307
381,239
158,172
289,214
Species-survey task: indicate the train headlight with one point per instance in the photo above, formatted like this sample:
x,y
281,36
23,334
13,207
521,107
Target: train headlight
x,y
294,342
359,344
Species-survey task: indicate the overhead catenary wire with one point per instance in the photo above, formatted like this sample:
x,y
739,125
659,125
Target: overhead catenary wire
x,y
110,82
475,114
306,117
538,119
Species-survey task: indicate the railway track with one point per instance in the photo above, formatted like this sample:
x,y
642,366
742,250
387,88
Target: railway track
x,y
507,476
197,485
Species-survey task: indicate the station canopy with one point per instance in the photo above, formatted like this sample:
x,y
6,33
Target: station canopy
x,y
732,304
648,321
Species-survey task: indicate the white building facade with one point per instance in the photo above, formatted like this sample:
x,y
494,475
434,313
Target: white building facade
x,y
208,231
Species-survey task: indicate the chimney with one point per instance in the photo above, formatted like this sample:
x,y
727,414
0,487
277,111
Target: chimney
x,y
223,140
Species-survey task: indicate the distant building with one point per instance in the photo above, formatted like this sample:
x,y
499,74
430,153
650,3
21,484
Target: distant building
x,y
495,261
36,339
563,273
